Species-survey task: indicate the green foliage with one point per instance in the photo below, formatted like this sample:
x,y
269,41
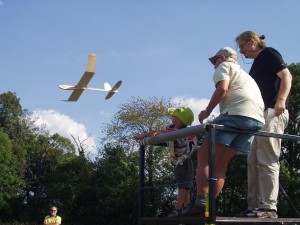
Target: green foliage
x,y
136,117
142,116
10,113
116,177
44,154
14,124
233,196
9,179
34,157
289,200
70,188
290,164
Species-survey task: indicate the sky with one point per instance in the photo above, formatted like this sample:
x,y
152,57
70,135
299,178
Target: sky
x,y
158,48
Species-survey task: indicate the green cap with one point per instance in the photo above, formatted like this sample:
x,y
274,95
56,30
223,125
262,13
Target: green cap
x,y
185,114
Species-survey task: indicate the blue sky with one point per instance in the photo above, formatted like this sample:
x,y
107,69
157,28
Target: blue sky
x,y
158,48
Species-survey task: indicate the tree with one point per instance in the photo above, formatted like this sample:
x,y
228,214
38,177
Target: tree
x,y
116,187
71,187
142,116
14,123
9,180
44,154
290,164
10,113
137,116
37,154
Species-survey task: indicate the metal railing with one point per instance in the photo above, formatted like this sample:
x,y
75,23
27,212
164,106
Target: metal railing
x,y
193,130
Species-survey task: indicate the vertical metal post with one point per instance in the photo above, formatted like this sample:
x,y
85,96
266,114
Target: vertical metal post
x,y
141,183
212,174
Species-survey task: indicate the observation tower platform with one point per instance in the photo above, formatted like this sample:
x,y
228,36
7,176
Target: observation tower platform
x,y
212,219
219,220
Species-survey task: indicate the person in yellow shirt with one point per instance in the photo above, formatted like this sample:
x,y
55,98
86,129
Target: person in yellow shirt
x,y
53,218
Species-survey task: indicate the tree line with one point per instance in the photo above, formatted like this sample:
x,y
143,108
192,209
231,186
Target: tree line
x,y
39,169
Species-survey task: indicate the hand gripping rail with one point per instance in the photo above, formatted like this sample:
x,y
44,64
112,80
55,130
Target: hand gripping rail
x,y
171,136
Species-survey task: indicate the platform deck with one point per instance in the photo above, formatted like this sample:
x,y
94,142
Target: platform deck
x,y
219,220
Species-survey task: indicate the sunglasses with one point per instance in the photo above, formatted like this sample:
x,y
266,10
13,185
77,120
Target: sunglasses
x,y
241,46
215,59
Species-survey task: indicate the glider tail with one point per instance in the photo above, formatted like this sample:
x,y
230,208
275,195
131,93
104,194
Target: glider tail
x,y
113,90
107,87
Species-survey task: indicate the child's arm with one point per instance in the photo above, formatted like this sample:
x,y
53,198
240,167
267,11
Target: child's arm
x,y
151,134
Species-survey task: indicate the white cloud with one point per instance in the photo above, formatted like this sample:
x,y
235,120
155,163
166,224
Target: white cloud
x,y
1,3
65,126
196,105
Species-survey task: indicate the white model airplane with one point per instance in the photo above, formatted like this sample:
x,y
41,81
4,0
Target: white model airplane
x,y
85,79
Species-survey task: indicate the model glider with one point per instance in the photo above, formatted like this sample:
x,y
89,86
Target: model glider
x,y
85,79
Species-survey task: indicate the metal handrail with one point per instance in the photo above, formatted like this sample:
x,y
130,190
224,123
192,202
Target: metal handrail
x,y
193,130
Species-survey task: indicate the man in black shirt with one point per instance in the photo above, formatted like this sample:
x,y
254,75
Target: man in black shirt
x,y
274,80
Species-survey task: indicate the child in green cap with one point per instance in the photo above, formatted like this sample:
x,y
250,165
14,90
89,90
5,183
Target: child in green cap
x,y
180,152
